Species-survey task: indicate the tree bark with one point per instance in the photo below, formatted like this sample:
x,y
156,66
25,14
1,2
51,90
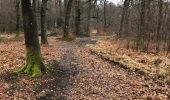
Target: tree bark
x,y
60,17
124,17
89,17
142,26
149,22
65,4
168,49
104,26
34,62
34,5
43,22
60,7
17,17
77,20
159,25
67,18
35,8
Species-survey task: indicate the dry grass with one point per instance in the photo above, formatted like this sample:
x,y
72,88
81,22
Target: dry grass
x,y
144,63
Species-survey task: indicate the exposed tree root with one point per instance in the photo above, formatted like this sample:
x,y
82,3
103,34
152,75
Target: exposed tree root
x,y
34,64
34,69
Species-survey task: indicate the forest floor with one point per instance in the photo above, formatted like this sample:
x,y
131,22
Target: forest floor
x,y
78,74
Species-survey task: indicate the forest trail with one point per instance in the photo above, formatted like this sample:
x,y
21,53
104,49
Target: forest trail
x,y
95,79
81,75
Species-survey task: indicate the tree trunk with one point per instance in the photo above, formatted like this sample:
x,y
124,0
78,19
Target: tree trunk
x,y
142,26
89,17
35,8
17,17
159,25
168,49
60,17
65,4
43,22
67,18
104,26
77,20
124,15
34,5
60,7
148,24
34,62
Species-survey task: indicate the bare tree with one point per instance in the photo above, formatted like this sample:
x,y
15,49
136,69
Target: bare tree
x,y
17,17
34,61
104,26
142,27
124,16
43,22
60,16
67,18
88,17
78,15
159,25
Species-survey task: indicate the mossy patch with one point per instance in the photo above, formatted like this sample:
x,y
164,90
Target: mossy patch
x,y
17,34
68,38
34,64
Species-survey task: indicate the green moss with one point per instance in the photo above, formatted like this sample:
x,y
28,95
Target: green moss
x,y
68,38
20,70
36,70
28,69
34,64
17,34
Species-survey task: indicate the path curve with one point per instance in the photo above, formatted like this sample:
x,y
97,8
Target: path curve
x,y
97,79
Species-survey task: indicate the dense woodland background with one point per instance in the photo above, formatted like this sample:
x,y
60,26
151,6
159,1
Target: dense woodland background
x,y
143,23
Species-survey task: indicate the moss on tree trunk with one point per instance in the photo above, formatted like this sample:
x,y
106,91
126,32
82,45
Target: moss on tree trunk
x,y
34,64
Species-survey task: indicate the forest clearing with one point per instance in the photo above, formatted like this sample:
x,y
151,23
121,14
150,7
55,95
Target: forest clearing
x,y
84,50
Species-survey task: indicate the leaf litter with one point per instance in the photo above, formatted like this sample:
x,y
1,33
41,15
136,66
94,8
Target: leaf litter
x,y
77,74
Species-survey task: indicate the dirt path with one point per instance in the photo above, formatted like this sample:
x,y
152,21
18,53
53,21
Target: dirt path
x,y
79,75
95,79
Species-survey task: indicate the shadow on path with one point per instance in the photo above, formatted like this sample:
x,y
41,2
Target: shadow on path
x,y
51,86
55,84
